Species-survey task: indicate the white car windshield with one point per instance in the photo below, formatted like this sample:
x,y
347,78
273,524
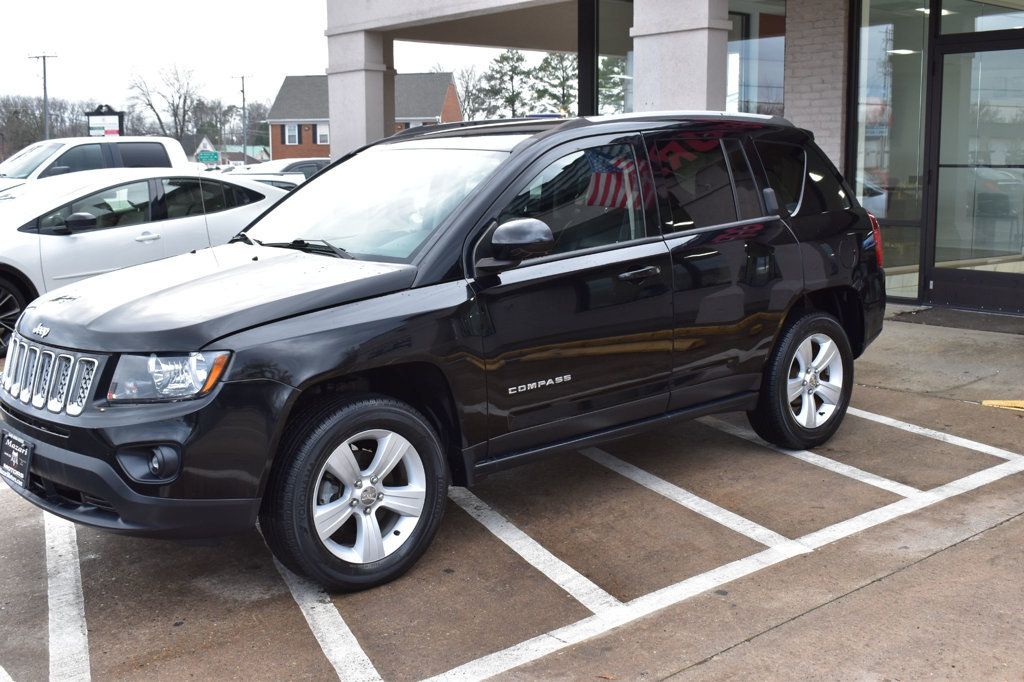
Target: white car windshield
x,y
383,203
27,160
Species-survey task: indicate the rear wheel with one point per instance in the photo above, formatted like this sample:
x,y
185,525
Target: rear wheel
x,y
807,384
12,302
357,494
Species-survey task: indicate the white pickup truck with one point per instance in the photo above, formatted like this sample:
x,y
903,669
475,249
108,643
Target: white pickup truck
x,y
71,154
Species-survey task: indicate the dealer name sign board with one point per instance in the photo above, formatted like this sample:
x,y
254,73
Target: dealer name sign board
x,y
105,121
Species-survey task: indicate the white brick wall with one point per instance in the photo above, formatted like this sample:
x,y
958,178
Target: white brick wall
x,y
816,58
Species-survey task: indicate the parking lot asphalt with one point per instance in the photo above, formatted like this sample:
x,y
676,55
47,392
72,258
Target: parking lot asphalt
x,y
895,550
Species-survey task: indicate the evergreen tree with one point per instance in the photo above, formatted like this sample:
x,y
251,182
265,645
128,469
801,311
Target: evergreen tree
x,y
611,90
555,83
505,85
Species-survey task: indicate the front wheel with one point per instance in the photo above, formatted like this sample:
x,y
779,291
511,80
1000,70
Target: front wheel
x,y
357,493
12,302
807,384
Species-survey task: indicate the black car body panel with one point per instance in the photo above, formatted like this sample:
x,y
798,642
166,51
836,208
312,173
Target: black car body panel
x,y
568,348
188,301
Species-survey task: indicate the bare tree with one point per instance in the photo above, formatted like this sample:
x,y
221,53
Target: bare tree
x,y
172,103
469,84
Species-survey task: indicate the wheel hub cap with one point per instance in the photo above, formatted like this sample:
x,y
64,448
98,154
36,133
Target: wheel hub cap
x,y
368,496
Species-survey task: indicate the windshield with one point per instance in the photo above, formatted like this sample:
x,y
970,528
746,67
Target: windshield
x,y
382,203
27,160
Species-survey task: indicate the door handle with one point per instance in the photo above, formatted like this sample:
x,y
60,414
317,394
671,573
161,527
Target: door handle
x,y
641,274
147,237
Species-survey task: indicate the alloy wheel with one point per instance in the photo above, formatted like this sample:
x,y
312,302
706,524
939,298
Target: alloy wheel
x,y
369,496
815,382
10,310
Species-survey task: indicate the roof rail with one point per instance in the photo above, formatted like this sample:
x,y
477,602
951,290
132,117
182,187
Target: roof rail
x,y
442,127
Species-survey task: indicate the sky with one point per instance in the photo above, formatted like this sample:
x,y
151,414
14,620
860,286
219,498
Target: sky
x,y
101,45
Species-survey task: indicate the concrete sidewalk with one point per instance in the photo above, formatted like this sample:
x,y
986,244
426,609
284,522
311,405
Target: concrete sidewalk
x,y
933,594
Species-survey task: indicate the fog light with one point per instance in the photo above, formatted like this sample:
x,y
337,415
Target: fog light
x,y
150,463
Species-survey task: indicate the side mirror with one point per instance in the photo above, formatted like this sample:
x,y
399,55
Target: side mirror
x,y
771,202
80,221
514,241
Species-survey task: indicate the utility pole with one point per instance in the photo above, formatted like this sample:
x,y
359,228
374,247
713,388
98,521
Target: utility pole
x,y
245,122
46,97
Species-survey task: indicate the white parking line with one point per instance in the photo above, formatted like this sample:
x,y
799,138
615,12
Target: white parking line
x,y
935,435
812,458
69,639
684,497
4,677
502,661
336,639
562,574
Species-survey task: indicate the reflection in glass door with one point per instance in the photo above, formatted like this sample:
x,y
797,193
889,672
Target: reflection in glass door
x,y
979,205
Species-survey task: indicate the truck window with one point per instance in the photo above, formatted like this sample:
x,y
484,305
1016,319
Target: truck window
x,y
143,155
80,158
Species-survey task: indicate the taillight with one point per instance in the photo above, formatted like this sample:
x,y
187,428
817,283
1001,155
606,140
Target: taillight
x,y
876,232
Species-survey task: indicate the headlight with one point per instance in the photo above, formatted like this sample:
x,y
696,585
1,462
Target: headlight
x,y
146,378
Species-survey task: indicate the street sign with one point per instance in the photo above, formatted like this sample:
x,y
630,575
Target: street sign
x,y
206,156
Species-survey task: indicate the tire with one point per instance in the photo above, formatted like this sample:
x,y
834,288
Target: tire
x,y
800,410
348,439
12,302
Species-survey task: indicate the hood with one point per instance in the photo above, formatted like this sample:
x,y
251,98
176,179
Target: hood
x,y
10,183
186,302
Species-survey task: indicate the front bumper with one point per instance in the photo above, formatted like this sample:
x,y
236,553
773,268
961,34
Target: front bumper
x,y
226,445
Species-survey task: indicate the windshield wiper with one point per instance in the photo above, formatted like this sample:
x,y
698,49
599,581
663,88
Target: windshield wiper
x,y
312,246
243,237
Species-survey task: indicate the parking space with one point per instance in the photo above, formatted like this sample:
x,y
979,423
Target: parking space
x,y
692,537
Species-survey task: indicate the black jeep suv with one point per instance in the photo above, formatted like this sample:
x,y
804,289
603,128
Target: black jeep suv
x,y
437,306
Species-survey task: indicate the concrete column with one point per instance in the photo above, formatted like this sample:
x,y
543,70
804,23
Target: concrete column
x,y
679,52
817,51
389,86
355,80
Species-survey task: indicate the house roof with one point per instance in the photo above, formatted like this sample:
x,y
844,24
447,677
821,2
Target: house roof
x,y
417,96
301,98
420,95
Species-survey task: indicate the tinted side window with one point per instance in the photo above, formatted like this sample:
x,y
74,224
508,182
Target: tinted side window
x,y
589,198
143,155
693,185
307,169
80,158
823,190
121,206
183,198
214,197
242,196
747,199
784,166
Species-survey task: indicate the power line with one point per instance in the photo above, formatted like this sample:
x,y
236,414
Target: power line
x,y
46,96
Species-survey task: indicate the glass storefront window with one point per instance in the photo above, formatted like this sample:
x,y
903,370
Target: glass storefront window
x,y
756,56
969,16
890,131
615,60
981,162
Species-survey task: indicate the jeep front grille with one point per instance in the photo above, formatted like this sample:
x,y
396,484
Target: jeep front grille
x,y
50,379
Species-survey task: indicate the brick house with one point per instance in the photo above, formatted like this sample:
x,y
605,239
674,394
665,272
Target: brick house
x,y
299,120
425,99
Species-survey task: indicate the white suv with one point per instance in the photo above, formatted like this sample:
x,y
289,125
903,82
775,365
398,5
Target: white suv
x,y
72,154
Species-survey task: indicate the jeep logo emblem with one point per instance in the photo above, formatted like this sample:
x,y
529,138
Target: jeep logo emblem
x,y
41,330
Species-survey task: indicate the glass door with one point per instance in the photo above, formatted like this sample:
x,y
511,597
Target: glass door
x,y
977,253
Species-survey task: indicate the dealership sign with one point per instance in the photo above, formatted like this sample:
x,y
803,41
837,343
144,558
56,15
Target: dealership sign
x,y
105,121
